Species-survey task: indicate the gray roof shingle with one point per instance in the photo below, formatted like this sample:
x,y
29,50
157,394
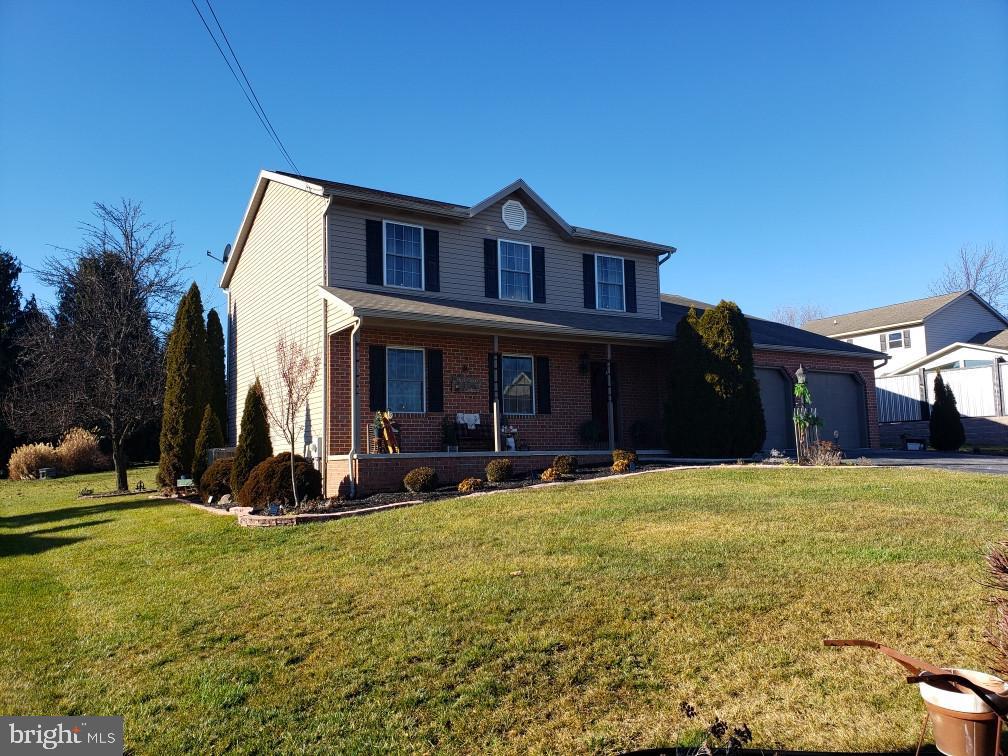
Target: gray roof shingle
x,y
997,339
880,317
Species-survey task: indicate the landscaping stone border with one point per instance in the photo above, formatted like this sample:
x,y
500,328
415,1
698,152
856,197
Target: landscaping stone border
x,y
248,520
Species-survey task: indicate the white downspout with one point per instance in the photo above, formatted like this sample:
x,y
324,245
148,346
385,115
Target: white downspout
x,y
354,407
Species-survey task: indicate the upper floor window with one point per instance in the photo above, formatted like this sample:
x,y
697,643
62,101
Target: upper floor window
x,y
403,255
515,264
609,294
895,340
517,377
404,370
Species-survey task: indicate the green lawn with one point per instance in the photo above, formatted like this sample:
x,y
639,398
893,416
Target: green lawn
x,y
569,619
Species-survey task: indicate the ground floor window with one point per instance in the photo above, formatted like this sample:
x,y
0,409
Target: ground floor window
x,y
517,376
405,382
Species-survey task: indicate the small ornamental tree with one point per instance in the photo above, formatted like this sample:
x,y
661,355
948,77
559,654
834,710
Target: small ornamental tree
x,y
185,389
210,437
947,433
217,386
254,443
689,398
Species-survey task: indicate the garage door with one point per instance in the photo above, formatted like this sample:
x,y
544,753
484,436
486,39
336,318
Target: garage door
x,y
839,401
775,391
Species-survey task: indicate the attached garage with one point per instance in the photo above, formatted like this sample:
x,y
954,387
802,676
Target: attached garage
x,y
839,399
775,391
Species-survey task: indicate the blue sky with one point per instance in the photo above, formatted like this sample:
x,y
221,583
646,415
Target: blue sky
x,y
835,153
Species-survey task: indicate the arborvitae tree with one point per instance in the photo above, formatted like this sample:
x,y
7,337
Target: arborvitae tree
x,y
738,423
215,367
713,406
210,437
254,443
947,433
185,388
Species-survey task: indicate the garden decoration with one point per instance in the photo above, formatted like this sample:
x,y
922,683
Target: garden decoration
x,y
390,433
965,706
806,421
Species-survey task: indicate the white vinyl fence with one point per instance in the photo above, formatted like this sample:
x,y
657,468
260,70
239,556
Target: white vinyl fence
x,y
899,397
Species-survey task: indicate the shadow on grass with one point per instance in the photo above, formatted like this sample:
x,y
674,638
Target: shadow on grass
x,y
37,541
68,513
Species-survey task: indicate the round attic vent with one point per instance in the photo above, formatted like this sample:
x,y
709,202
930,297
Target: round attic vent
x,y
514,215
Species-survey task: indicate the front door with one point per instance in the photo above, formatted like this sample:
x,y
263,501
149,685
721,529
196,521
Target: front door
x,y
600,400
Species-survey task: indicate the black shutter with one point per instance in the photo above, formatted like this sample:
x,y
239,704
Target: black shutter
x,y
376,368
431,258
373,244
538,274
435,380
906,339
630,285
490,268
493,376
588,274
542,385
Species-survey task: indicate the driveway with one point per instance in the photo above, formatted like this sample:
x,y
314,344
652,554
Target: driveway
x,y
976,463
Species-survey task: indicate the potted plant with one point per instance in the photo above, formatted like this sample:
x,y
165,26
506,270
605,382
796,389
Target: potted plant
x,y
449,434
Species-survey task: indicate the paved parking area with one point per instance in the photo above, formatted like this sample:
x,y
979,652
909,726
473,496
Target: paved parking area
x,y
977,463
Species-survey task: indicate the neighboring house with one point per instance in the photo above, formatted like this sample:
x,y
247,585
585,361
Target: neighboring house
x,y
500,312
915,334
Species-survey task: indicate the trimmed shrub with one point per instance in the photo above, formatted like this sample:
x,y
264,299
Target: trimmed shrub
x,y
498,470
185,390
210,437
216,481
565,464
629,456
217,389
78,452
469,485
621,466
25,461
254,445
420,480
549,475
946,428
270,481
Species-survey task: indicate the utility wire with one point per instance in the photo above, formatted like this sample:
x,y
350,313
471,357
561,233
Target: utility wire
x,y
270,132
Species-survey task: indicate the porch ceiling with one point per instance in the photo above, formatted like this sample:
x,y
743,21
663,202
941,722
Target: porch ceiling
x,y
493,317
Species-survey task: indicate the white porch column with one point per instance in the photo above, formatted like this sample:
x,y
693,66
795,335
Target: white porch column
x,y
496,395
609,396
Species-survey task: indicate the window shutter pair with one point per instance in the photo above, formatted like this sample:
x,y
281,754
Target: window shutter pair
x,y
491,274
434,380
590,290
375,254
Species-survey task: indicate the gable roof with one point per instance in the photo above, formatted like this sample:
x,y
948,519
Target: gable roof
x,y
891,316
446,210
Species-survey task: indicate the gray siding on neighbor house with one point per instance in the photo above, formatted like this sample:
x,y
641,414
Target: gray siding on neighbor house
x,y
274,289
959,321
461,256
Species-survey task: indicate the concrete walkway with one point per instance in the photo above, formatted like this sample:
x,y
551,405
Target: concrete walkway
x,y
976,463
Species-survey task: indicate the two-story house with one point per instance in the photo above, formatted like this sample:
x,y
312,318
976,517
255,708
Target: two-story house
x,y
529,335
948,330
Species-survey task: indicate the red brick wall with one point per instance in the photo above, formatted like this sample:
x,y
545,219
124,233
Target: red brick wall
x,y
640,378
864,368
339,392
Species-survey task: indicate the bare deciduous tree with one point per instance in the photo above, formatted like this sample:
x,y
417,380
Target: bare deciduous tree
x,y
983,269
98,363
797,316
289,387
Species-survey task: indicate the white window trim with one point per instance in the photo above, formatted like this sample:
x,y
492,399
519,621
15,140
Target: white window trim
x,y
423,376
598,282
889,344
519,414
500,271
423,256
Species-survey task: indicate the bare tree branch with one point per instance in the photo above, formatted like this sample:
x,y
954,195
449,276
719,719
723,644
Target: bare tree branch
x,y
797,316
982,269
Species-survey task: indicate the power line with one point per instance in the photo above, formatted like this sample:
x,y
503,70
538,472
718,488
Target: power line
x,y
270,132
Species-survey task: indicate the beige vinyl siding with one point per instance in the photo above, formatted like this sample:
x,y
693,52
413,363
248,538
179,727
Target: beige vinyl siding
x,y
959,321
274,289
461,256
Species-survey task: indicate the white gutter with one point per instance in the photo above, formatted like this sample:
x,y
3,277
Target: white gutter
x,y
354,408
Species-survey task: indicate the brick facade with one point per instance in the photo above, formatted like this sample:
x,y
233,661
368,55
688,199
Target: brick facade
x,y
639,380
864,370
